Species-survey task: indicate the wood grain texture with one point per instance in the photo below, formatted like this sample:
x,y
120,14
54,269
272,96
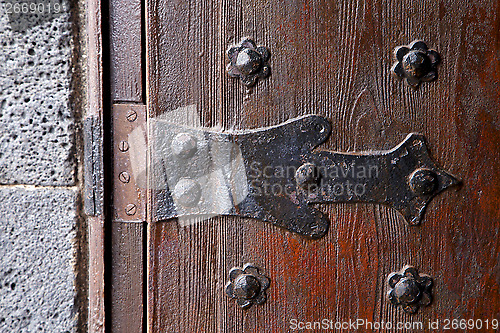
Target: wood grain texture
x,y
127,239
96,308
125,29
127,287
96,311
127,232
333,59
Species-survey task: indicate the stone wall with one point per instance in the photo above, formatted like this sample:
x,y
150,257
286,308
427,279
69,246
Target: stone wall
x,y
39,187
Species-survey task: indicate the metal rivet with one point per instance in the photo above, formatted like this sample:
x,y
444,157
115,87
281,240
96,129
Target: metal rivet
x,y
406,290
423,181
123,146
320,128
247,285
409,289
307,176
131,115
416,63
130,209
248,62
183,145
187,192
124,177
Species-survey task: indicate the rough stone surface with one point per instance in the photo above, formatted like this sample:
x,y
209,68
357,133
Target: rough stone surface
x,y
36,119
37,230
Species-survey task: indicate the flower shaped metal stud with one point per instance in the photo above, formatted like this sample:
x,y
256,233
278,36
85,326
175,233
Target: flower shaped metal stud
x,y
247,286
416,63
248,62
409,289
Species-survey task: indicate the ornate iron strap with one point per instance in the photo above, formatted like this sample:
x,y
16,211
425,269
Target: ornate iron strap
x,y
275,175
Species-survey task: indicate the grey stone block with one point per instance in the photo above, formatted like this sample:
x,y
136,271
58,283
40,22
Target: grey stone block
x,y
37,279
37,124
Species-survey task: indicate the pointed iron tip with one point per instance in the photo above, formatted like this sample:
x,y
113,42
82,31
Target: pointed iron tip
x,y
447,180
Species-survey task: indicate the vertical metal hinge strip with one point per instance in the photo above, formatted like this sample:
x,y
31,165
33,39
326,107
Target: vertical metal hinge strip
x,y
129,162
93,188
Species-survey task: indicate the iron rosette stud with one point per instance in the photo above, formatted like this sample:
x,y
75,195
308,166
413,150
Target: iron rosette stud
x,y
409,289
416,63
248,62
247,285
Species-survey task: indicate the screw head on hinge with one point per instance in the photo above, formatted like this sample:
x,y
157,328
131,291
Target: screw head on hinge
x,y
131,115
124,177
130,209
123,146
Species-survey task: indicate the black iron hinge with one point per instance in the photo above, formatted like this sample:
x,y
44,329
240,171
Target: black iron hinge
x,y
274,174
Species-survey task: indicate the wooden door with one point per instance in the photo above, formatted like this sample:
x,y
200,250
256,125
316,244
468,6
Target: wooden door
x,y
330,58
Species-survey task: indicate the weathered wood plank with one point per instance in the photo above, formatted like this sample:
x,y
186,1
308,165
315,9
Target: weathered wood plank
x,y
333,59
96,308
125,29
127,277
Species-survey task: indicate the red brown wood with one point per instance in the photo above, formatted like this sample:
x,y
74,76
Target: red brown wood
x,y
127,288
333,59
125,24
